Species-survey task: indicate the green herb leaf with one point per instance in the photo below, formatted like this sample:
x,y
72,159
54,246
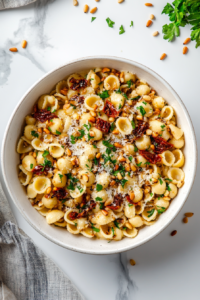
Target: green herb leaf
x,y
136,98
150,212
125,96
130,204
31,166
61,176
144,102
112,127
123,182
95,229
34,133
48,108
107,144
73,140
135,149
110,23
139,164
99,187
168,188
130,158
101,205
133,124
131,24
120,106
142,110
116,224
121,29
118,91
58,132
113,231
93,18
168,179
94,146
87,126
104,95
161,209
98,199
160,180
45,153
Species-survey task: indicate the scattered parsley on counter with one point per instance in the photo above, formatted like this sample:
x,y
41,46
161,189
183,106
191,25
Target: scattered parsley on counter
x,y
110,23
121,29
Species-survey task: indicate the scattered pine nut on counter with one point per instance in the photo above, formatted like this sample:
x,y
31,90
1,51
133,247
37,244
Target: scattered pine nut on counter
x,y
13,49
148,4
174,232
85,8
75,2
163,56
120,1
149,22
93,10
186,41
155,33
132,262
151,17
185,50
189,214
185,220
24,44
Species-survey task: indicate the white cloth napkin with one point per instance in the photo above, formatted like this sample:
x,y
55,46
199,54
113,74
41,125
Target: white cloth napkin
x,y
6,4
25,272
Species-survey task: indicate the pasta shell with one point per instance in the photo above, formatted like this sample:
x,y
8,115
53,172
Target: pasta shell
x,y
67,216
94,102
28,132
64,164
39,145
41,183
72,229
136,221
60,85
23,147
100,219
43,211
61,224
29,163
117,100
131,233
176,175
146,215
88,232
124,126
168,158
78,191
49,202
106,232
179,158
31,193
167,113
54,216
56,150
24,176
59,179
111,83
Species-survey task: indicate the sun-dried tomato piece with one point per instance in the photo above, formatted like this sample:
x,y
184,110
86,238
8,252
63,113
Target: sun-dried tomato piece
x,y
150,157
102,125
109,110
73,215
160,144
140,129
129,199
44,115
60,194
78,83
90,205
79,99
41,170
116,203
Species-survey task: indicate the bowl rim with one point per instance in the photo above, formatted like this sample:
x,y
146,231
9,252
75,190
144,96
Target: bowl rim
x,y
6,188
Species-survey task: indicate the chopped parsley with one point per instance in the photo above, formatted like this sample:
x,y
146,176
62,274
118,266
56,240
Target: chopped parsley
x,y
107,144
113,231
98,199
80,189
133,124
130,204
151,194
89,169
120,106
139,165
144,102
62,146
101,205
168,179
75,224
131,24
61,176
121,29
34,133
160,180
168,188
93,18
73,181
104,95
118,91
99,187
123,182
94,146
147,163
96,161
136,98
74,106
47,163
150,212
142,110
135,149
49,128
125,96
163,127
31,166
112,127
161,209
116,224
95,229
58,132
73,140
130,158
48,108
46,152
110,23
87,126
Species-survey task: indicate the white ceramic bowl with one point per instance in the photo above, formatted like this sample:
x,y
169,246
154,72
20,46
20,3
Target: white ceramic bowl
x,y
10,158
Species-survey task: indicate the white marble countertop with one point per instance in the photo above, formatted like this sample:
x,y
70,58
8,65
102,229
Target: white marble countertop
x,y
166,267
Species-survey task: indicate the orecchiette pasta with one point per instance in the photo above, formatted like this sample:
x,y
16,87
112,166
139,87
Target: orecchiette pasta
x,y
101,155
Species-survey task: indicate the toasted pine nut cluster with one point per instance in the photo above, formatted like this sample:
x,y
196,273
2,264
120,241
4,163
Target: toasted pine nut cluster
x,y
100,154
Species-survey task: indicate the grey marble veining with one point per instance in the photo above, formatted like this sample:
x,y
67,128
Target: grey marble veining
x,y
5,62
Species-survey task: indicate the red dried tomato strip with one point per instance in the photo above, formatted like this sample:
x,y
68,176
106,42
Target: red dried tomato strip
x,y
41,170
129,199
150,157
73,215
60,193
161,145
109,110
140,129
84,213
102,125
116,203
44,115
78,83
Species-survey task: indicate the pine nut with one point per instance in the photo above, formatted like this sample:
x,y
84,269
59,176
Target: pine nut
x,y
148,4
92,119
24,44
93,114
154,134
132,262
34,155
121,159
116,167
112,183
75,2
152,147
139,118
133,168
111,119
95,107
127,167
46,130
104,212
149,22
166,194
185,220
128,225
117,145
66,106
151,17
189,214
98,155
146,98
48,191
85,8
185,50
186,41
120,1
115,131
85,178
63,92
105,70
163,56
132,195
155,33
93,10
97,0
69,152
39,130
174,232
13,49
180,184
149,132
91,133
119,176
